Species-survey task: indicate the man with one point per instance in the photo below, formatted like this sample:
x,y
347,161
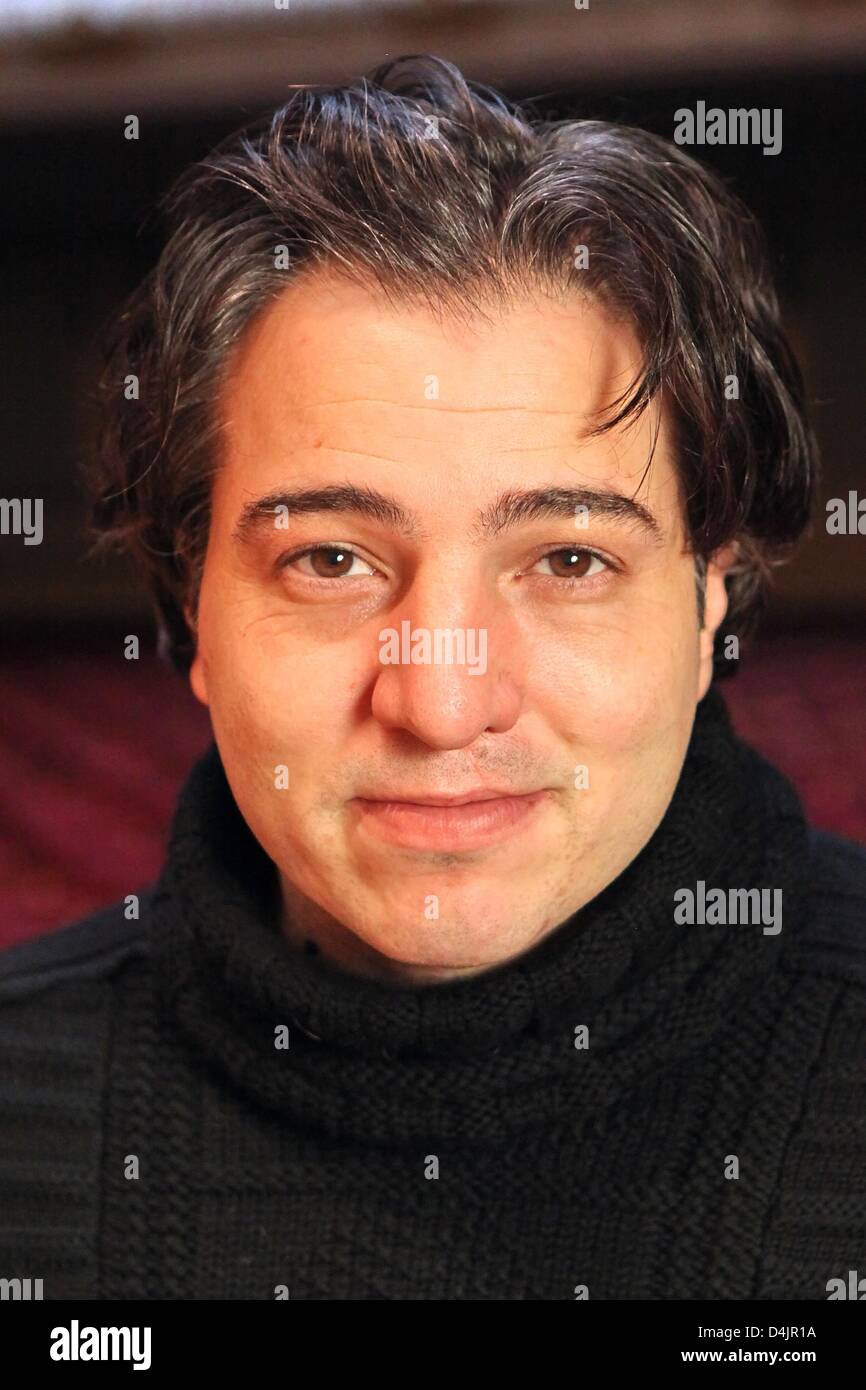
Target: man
x,y
486,961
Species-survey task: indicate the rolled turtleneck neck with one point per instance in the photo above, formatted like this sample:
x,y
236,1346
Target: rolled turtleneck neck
x,y
645,986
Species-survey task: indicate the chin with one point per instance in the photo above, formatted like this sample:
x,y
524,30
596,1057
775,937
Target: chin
x,y
431,945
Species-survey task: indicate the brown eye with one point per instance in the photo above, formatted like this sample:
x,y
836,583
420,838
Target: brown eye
x,y
326,562
571,562
331,562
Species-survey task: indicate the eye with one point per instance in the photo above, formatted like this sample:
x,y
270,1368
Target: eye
x,y
326,561
576,563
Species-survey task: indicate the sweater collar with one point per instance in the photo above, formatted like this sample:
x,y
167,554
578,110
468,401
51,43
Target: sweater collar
x,y
380,1061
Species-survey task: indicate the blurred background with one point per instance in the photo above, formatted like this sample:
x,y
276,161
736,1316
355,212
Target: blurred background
x,y
93,748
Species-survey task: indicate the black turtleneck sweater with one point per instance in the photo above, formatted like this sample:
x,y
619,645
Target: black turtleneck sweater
x,y
451,1141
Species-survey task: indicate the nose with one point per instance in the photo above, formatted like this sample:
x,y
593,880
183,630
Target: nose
x,y
447,666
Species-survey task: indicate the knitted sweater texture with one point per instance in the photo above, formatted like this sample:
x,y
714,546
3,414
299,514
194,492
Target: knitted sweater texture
x,y
637,1108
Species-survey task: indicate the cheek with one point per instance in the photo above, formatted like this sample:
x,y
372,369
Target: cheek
x,y
272,697
621,696
614,685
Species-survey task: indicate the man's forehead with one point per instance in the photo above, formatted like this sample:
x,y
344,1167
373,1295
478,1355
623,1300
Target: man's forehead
x,y
340,382
325,344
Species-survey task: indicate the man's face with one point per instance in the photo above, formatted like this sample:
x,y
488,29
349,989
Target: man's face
x,y
556,648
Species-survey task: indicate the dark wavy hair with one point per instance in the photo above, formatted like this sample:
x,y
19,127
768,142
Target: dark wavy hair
x,y
437,188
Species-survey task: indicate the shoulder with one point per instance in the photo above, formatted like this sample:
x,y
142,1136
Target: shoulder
x,y
57,1005
87,951
840,864
816,1227
832,940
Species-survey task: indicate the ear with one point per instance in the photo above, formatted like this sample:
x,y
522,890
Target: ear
x,y
715,608
197,671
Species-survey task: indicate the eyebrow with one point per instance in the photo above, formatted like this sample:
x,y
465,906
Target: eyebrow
x,y
507,511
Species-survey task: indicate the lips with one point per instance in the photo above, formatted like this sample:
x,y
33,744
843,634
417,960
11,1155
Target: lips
x,y
472,821
458,799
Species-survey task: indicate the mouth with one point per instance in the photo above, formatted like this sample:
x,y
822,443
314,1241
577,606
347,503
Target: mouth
x,y
465,822
451,799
